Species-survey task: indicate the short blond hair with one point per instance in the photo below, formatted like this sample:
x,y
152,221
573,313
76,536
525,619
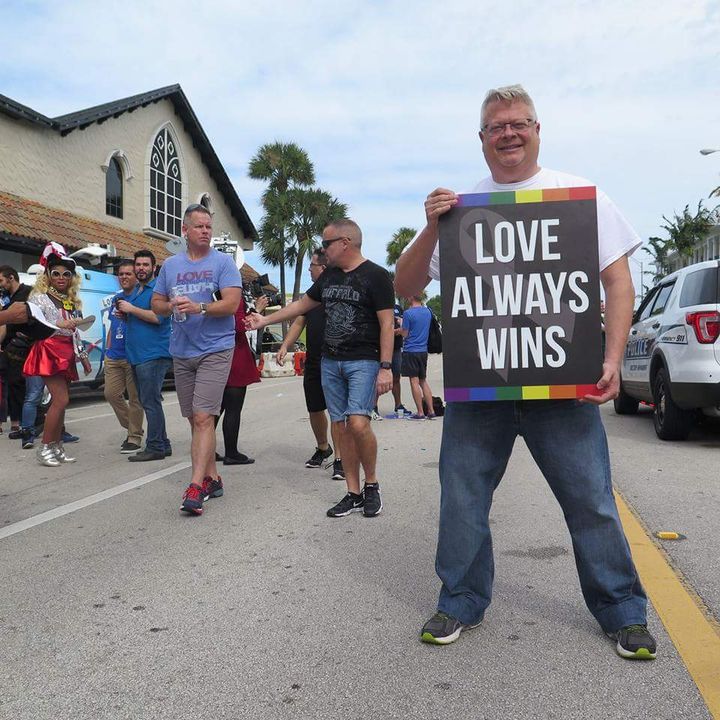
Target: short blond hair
x,y
509,94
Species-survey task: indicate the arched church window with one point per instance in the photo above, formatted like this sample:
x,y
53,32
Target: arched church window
x,y
114,189
165,185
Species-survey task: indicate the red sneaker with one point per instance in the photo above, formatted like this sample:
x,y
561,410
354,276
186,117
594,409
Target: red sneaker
x,y
193,500
212,488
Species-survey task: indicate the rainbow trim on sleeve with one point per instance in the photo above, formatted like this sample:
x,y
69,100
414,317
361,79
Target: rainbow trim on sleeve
x,y
514,197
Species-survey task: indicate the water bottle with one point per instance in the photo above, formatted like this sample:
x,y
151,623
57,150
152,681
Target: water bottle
x,y
177,315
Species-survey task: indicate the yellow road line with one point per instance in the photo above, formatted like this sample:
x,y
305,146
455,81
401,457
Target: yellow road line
x,y
688,622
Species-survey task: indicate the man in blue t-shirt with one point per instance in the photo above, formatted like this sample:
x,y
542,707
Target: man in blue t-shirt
x,y
202,290
146,346
118,372
415,329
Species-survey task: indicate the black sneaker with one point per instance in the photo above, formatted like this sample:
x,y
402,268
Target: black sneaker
x,y
146,456
319,457
28,438
127,447
15,434
443,629
349,504
212,488
338,473
634,642
373,502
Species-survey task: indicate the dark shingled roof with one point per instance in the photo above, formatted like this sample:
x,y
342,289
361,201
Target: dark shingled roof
x,y
65,124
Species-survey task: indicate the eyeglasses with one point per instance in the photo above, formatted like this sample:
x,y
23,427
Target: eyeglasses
x,y
517,126
56,274
312,264
327,243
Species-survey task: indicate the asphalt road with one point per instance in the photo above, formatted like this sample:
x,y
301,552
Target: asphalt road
x,y
265,608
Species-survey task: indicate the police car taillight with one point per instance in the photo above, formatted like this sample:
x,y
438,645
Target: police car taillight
x,y
705,324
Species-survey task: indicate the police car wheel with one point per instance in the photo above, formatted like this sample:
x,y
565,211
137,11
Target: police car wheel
x,y
624,404
671,422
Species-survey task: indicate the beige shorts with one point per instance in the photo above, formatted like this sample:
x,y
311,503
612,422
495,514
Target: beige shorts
x,y
200,381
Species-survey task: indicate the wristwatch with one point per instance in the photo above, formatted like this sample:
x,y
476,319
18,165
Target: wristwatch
x,y
203,309
386,366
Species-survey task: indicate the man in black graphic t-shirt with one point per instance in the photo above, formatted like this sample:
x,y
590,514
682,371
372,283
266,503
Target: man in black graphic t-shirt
x,y
314,324
358,297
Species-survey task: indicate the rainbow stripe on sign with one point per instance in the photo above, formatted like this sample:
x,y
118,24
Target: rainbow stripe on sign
x,y
514,197
522,392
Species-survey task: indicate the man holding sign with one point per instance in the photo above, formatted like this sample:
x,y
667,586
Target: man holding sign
x,y
517,330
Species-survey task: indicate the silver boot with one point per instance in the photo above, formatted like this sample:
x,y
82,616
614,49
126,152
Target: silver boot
x,y
46,455
59,451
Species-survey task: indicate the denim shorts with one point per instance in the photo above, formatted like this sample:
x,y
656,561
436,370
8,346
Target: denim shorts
x,y
349,387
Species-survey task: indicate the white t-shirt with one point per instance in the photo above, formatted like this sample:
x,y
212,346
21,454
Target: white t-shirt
x,y
615,235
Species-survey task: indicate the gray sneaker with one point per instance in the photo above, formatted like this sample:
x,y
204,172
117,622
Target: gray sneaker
x,y
634,642
443,629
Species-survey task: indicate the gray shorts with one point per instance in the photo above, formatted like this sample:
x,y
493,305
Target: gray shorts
x,y
200,381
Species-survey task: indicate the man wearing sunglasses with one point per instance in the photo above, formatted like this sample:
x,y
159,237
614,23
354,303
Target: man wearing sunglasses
x,y
565,437
357,354
314,325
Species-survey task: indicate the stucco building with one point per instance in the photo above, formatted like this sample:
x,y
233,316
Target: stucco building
x,y
118,175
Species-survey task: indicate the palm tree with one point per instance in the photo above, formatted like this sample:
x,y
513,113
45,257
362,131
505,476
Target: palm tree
x,y
659,248
284,166
400,240
686,230
312,210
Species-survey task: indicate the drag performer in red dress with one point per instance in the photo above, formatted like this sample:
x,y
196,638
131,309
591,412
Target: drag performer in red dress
x,y
56,294
243,372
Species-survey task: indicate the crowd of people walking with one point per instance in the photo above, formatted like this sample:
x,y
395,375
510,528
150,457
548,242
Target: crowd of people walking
x,y
190,316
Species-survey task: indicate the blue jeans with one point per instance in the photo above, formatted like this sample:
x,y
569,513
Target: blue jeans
x,y
349,387
149,377
34,386
567,441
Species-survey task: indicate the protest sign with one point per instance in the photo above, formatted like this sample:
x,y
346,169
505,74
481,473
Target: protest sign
x,y
521,296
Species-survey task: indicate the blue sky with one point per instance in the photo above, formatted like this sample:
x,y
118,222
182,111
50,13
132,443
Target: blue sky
x,y
385,97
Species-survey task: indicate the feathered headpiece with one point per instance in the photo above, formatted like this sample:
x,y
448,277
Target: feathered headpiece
x,y
54,254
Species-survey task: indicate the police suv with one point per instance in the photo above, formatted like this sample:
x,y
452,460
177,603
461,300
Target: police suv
x,y
672,356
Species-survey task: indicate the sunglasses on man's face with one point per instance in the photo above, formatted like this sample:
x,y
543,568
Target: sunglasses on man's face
x,y
327,243
57,274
